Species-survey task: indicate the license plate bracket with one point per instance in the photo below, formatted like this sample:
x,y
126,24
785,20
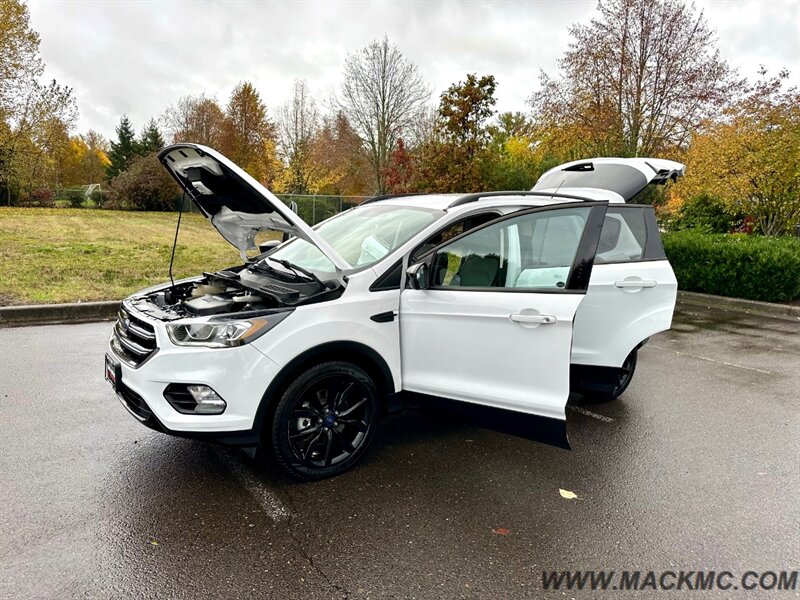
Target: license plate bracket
x,y
113,372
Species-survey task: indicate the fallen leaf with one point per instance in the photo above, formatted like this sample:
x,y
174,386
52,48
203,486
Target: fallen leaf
x,y
567,494
154,543
501,531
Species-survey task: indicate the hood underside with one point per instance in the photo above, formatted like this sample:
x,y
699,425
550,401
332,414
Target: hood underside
x,y
236,204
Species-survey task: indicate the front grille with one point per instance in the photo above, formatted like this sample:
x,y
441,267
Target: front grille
x,y
135,403
134,340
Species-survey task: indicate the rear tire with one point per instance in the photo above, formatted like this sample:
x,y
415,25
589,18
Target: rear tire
x,y
614,391
325,421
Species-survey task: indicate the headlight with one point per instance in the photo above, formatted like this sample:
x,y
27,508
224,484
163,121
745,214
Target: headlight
x,y
223,333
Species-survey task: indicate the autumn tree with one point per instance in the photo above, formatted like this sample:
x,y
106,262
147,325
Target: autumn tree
x,y
636,80
33,115
249,137
382,94
19,54
298,123
400,172
337,150
453,159
196,119
748,159
96,159
123,150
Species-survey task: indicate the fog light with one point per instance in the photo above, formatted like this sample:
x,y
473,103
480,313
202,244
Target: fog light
x,y
208,401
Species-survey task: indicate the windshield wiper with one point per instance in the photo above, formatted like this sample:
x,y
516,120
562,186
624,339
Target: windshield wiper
x,y
297,269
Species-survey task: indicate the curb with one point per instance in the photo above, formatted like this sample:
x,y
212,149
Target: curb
x,y
86,312
54,314
751,307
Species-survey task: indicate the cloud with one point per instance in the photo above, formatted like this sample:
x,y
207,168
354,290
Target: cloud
x,y
139,57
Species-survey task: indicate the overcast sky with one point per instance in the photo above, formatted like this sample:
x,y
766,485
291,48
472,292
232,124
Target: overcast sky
x,y
138,57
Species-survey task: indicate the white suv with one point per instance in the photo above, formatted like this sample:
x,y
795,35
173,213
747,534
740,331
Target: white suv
x,y
507,300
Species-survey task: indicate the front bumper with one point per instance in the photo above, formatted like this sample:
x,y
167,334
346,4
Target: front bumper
x,y
239,375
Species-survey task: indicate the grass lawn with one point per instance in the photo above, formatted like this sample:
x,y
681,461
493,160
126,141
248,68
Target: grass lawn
x,y
66,255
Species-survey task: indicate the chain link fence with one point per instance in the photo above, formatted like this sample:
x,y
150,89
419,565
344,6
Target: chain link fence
x,y
314,209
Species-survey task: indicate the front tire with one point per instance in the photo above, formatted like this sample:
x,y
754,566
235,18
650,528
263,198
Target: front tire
x,y
325,421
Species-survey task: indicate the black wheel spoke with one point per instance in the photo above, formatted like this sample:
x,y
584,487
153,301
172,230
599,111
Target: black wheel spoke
x,y
305,412
344,413
356,424
328,441
322,397
304,432
311,445
341,397
346,446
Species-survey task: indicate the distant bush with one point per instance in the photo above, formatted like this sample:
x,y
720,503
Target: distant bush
x,y
42,197
739,266
99,197
74,197
145,185
707,214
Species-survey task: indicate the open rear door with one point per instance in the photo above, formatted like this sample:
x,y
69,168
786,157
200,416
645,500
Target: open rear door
x,y
622,179
492,322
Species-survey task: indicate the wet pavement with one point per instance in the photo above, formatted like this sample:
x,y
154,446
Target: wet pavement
x,y
696,467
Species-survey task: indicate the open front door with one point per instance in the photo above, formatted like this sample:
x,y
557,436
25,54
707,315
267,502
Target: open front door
x,y
492,322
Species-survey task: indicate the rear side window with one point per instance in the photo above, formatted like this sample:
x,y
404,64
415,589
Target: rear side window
x,y
629,234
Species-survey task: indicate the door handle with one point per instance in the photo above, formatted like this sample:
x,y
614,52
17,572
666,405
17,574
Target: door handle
x,y
636,283
538,319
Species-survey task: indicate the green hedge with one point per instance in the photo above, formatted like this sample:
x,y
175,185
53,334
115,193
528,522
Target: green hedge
x,y
739,266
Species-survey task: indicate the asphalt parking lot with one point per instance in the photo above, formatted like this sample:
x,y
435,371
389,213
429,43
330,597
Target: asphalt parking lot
x,y
695,468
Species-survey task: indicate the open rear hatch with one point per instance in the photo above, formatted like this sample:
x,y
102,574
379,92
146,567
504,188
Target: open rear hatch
x,y
626,179
236,204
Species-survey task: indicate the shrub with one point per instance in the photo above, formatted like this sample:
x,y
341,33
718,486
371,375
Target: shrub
x,y
42,197
707,215
74,197
99,197
145,185
739,266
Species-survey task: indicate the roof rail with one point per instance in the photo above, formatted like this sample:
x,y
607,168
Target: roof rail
x,y
387,197
475,197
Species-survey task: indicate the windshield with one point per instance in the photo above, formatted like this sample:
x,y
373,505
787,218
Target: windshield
x,y
362,236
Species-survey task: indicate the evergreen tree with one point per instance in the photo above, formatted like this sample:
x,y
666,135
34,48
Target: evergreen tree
x,y
123,150
151,140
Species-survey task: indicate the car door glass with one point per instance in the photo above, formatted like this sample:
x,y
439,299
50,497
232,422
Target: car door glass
x,y
532,251
451,231
623,237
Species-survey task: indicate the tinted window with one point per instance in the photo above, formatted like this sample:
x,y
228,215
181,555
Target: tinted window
x,y
451,231
623,237
533,251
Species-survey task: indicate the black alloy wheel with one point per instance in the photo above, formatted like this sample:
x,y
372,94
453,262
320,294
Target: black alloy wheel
x,y
325,421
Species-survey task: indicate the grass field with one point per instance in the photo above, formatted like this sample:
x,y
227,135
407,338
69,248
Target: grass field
x,y
66,255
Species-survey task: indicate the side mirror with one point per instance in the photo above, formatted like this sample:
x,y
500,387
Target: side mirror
x,y
418,276
268,245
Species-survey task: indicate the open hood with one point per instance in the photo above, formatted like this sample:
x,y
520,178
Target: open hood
x,y
622,179
236,204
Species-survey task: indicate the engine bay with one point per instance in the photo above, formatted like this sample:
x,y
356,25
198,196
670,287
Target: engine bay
x,y
245,289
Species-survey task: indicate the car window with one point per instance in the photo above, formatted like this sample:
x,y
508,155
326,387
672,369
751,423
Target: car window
x,y
623,237
451,231
532,251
